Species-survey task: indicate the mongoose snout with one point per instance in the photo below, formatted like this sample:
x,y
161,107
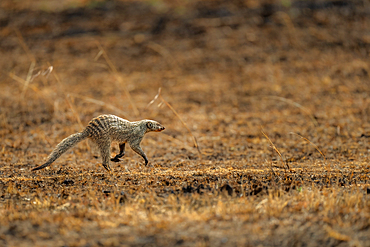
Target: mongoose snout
x,y
160,129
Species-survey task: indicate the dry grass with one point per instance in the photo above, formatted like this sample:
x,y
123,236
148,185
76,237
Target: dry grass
x,y
225,70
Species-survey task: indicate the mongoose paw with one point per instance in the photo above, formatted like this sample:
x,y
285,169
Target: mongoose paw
x,y
115,159
107,168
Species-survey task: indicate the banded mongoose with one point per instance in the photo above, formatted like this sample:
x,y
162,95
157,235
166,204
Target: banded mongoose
x,y
103,130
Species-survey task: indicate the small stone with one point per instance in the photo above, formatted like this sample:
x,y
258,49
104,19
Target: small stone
x,y
68,182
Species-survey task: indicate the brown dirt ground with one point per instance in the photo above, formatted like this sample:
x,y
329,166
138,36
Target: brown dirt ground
x,y
296,70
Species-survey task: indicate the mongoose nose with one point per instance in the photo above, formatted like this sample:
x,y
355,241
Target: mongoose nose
x,y
162,128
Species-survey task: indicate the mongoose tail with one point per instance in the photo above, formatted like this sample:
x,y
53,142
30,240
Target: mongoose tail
x,y
62,147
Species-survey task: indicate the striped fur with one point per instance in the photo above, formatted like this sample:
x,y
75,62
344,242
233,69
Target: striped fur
x,y
103,130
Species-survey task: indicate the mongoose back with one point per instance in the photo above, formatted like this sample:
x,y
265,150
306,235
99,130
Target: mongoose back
x,y
103,130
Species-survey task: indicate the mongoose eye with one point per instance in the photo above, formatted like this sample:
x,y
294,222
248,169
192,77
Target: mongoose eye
x,y
149,125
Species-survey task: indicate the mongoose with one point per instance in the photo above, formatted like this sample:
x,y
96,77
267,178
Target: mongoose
x,y
103,130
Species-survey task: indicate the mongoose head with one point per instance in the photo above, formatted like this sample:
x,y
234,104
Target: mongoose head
x,y
153,126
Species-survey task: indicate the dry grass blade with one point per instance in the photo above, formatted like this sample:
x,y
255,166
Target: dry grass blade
x,y
172,139
23,82
271,169
74,111
277,151
289,24
24,46
33,87
45,73
313,144
28,79
178,116
31,57
118,77
98,55
164,53
291,102
58,81
336,235
71,107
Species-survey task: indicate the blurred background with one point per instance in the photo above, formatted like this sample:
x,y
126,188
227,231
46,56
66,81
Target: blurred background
x,y
227,67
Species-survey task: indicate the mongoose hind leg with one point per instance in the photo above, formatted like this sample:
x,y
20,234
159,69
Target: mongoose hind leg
x,y
104,146
121,153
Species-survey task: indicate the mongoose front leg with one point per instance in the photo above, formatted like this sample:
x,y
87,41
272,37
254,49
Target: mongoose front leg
x,y
104,146
121,153
136,147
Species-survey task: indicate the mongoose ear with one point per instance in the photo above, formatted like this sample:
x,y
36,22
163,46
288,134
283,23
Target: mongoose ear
x,y
149,125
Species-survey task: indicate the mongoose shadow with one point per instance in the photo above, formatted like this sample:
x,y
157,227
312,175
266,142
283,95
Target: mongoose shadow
x,y
103,130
